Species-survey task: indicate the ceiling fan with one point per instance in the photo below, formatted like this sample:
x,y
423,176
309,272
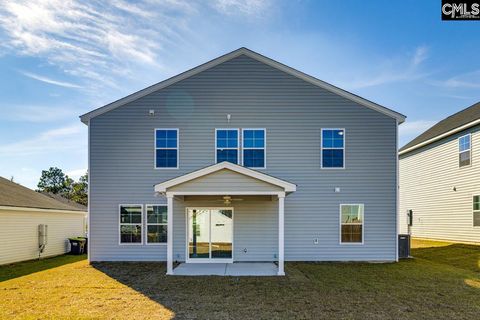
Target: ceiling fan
x,y
228,200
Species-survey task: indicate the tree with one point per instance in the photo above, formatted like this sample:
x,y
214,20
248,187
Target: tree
x,y
79,190
53,180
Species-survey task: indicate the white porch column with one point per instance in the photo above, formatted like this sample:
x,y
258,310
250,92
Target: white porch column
x,y
281,238
169,233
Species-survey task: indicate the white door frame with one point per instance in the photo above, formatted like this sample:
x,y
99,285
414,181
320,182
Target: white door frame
x,y
207,260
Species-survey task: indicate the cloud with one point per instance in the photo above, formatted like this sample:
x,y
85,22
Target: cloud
x,y
101,42
469,80
411,129
76,173
70,138
50,81
37,114
394,70
243,7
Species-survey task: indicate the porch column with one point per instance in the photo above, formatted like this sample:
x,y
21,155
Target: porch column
x,y
281,239
169,233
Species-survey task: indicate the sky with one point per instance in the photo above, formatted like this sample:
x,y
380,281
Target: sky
x,y
60,59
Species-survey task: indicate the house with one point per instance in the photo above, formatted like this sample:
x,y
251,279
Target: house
x,y
440,180
23,211
243,159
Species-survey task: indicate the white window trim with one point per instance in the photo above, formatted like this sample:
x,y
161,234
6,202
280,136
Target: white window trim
x,y
155,149
340,225
238,143
344,149
133,224
474,211
264,147
469,150
153,224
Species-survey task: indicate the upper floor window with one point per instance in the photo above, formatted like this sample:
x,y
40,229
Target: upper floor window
x,y
166,148
351,222
476,211
464,150
226,149
333,148
254,148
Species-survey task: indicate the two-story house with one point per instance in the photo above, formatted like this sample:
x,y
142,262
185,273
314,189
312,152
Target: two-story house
x,y
440,180
243,159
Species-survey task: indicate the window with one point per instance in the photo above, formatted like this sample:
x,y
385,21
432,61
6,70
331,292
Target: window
x,y
166,148
254,148
226,141
333,148
476,211
131,224
156,223
351,221
464,150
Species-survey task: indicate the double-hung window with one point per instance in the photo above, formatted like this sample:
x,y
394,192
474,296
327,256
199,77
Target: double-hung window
x,y
166,148
254,148
130,224
226,148
464,150
156,223
476,211
333,148
351,223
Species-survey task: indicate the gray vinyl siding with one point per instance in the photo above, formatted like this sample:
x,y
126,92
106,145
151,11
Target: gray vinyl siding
x,y
292,111
428,177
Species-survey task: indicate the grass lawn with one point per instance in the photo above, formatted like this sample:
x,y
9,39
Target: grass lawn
x,y
442,282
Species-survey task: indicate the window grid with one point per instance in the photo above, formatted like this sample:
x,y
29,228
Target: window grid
x,y
254,148
133,226
166,143
351,231
332,151
476,211
464,150
151,207
226,141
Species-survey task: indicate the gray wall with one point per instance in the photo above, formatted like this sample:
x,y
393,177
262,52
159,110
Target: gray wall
x,y
257,96
427,178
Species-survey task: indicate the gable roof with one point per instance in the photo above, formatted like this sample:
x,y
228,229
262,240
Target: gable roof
x,y
15,195
162,187
457,122
243,51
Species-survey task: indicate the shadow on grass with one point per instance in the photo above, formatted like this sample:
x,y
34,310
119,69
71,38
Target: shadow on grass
x,y
19,269
457,255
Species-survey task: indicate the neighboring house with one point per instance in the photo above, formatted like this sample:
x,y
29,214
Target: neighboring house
x,y
440,179
243,159
22,210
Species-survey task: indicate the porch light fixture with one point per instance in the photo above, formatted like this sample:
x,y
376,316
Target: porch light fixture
x,y
151,112
229,116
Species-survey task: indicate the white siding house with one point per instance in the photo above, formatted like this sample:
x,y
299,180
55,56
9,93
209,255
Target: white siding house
x,y
440,180
22,211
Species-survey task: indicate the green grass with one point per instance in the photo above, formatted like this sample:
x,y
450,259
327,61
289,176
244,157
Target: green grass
x,y
16,270
442,282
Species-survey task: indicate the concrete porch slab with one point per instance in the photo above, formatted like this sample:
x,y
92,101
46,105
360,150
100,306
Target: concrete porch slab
x,y
238,269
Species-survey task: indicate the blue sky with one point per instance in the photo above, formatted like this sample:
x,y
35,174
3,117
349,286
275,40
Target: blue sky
x,y
60,59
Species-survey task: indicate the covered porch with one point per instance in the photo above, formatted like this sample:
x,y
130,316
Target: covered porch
x,y
216,217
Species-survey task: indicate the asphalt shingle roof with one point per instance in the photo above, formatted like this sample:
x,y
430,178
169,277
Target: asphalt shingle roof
x,y
14,195
456,120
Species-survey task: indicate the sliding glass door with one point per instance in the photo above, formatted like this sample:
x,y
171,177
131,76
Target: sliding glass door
x,y
210,234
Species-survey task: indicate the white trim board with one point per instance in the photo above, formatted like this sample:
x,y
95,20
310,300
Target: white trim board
x,y
287,186
243,51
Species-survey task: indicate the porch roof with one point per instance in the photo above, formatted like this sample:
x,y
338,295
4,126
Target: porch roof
x,y
277,183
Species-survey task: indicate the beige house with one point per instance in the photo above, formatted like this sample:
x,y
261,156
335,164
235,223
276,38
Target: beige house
x,y
440,180
35,225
